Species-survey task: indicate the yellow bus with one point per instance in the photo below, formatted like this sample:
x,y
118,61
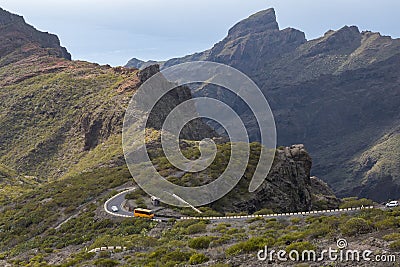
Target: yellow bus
x,y
144,213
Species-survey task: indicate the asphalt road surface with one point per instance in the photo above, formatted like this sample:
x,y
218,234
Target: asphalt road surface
x,y
119,199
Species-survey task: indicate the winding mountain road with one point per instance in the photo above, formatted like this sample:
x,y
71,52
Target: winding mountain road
x,y
119,199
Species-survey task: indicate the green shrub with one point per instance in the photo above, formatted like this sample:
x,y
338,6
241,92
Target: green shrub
x,y
295,220
140,203
176,256
221,227
320,204
196,228
157,253
356,226
202,242
388,223
135,194
395,245
220,241
355,202
209,212
185,223
48,250
300,247
392,237
293,236
253,244
106,263
255,219
264,212
317,230
198,259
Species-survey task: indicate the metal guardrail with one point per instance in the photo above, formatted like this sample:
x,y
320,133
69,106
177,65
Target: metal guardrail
x,y
120,193
106,249
234,216
275,214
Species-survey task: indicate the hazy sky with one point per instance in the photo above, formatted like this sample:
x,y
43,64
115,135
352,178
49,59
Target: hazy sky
x,y
114,31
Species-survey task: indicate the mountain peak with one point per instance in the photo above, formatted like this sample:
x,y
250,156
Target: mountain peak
x,y
259,22
20,40
345,30
7,17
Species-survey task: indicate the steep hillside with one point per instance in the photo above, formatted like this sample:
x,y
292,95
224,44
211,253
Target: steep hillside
x,y
378,168
342,117
337,94
55,112
13,185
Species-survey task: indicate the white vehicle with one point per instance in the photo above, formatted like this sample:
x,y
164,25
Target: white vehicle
x,y
392,204
114,208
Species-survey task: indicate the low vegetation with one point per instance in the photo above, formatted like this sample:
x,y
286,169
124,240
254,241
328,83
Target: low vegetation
x,y
39,213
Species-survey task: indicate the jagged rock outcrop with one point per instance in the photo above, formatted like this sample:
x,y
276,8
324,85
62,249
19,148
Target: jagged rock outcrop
x,y
274,57
147,72
196,129
287,188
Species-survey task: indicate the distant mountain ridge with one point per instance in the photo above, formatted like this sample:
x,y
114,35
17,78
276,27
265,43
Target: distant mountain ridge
x,y
338,94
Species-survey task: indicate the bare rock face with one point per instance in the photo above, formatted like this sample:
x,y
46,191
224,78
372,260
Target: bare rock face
x,y
260,22
287,188
195,129
97,126
147,72
323,196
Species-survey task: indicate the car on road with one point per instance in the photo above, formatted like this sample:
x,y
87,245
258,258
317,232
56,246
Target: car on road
x,y
392,204
114,208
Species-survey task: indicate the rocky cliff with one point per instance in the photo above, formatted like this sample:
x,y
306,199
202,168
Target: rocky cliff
x,y
19,40
337,94
287,188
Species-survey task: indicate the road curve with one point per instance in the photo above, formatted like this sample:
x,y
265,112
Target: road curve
x,y
119,199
